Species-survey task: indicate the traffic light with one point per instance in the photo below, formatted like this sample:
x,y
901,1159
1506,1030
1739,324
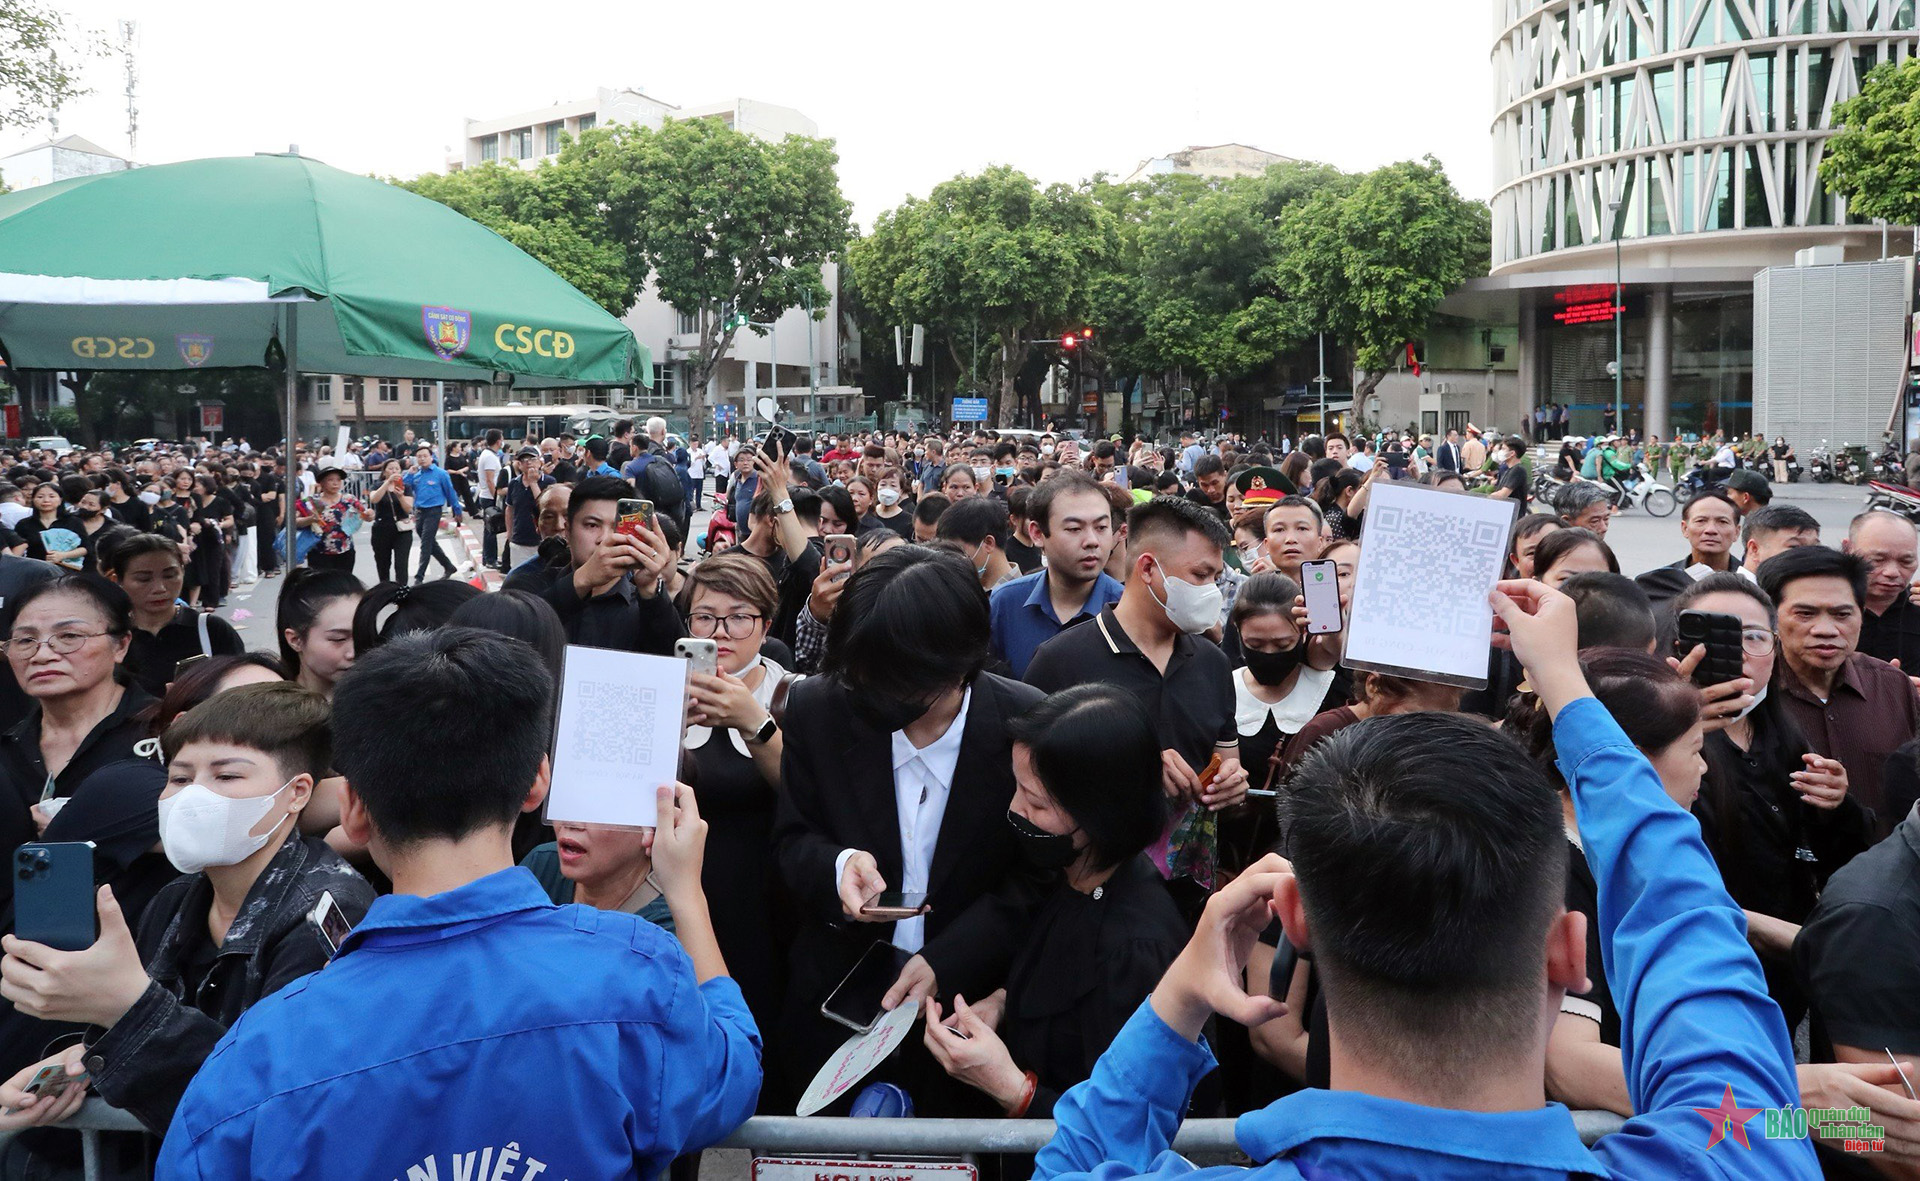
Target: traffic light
x,y
1086,334
731,318
1069,341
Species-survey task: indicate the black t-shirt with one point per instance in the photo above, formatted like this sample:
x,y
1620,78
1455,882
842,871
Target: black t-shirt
x,y
1859,951
900,523
152,656
1514,480
1583,895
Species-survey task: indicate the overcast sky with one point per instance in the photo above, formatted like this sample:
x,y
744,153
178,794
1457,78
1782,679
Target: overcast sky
x,y
914,92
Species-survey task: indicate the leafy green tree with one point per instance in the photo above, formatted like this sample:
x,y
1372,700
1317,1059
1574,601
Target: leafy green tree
x,y
712,217
1369,264
38,57
994,250
1874,159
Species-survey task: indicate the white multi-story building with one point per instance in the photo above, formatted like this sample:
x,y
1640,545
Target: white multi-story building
x,y
749,370
1218,161
60,159
1677,144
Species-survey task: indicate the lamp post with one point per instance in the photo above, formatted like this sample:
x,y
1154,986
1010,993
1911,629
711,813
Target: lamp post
x,y
1619,326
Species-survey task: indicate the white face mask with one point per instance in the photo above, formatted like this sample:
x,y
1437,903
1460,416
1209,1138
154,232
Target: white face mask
x,y
149,498
889,496
980,473
1046,448
1193,609
200,827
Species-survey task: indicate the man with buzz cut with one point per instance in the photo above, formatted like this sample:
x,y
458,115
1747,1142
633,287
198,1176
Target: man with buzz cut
x,y
468,1027
1437,922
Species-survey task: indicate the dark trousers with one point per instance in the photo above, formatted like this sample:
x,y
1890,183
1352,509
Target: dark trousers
x,y
489,540
391,548
426,522
691,487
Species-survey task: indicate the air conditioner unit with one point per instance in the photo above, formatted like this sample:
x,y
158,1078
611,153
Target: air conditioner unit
x,y
1443,388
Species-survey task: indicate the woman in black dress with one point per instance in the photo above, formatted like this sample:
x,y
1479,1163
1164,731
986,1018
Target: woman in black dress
x,y
1089,802
392,524
48,513
211,520
735,738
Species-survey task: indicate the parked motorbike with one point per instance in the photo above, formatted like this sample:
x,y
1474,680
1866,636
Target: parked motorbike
x,y
1894,498
1852,465
1820,463
1793,470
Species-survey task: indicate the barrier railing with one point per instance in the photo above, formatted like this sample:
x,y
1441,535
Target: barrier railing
x,y
786,1135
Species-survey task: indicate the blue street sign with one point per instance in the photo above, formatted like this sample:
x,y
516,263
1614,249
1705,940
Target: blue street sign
x,y
969,410
724,413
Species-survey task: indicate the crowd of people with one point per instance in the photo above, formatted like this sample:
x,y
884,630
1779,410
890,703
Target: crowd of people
x,y
1163,854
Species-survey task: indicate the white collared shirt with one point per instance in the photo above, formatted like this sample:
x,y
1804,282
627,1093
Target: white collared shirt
x,y
922,783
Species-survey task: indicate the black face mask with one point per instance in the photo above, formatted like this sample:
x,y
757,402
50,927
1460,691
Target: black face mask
x,y
885,716
1271,668
1043,849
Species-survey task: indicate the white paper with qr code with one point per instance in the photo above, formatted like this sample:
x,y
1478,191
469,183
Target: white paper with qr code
x,y
1427,560
618,736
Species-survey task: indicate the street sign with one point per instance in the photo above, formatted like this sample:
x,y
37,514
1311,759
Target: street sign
x,y
724,413
969,410
779,1169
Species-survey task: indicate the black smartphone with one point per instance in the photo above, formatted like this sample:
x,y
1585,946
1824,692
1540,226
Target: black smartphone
x,y
779,441
1720,633
896,904
53,899
855,1003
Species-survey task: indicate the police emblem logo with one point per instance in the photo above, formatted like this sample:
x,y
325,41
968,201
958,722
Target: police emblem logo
x,y
194,348
448,330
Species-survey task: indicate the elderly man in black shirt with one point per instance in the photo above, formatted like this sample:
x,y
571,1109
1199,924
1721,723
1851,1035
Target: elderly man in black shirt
x,y
609,588
1150,644
1890,546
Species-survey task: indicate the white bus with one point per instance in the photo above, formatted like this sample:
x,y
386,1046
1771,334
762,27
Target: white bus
x,y
530,422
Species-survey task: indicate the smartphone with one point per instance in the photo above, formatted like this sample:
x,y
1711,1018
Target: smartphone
x,y
779,441
329,921
894,904
632,515
840,548
702,656
53,899
181,666
1320,583
855,1002
50,1081
1724,660
1902,1072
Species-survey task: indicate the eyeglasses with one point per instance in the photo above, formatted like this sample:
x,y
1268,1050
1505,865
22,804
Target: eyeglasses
x,y
1756,641
737,627
62,643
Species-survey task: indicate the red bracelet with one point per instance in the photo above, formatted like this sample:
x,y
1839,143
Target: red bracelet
x,y
1026,1098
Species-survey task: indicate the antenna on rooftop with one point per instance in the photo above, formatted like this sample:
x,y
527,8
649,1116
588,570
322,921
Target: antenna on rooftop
x,y
129,33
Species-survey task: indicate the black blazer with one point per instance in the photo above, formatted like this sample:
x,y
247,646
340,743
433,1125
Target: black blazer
x,y
838,794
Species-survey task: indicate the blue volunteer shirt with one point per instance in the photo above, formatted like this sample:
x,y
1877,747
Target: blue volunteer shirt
x,y
482,1032
1696,1020
432,487
1023,616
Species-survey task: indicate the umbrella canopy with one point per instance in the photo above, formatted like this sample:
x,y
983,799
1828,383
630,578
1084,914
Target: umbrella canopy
x,y
178,266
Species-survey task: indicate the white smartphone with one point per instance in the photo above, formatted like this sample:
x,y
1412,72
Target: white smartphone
x,y
1320,583
702,656
329,921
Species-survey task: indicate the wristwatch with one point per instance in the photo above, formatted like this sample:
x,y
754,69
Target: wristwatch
x,y
765,733
785,506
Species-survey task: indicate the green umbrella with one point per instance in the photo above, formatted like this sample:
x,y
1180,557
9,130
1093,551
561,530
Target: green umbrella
x,y
206,262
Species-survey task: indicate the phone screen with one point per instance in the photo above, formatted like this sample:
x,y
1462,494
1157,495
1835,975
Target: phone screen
x,y
1320,583
632,515
328,920
856,1002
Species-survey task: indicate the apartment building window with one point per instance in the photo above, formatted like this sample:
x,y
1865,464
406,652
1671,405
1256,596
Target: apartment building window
x,y
689,324
423,391
389,389
320,389
665,389
553,138
490,148
520,143
587,122
352,390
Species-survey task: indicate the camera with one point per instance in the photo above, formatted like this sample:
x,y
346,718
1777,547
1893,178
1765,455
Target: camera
x,y
31,863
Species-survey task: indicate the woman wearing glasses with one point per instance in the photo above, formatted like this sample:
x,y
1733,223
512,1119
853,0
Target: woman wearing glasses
x,y
736,744
69,769
1777,818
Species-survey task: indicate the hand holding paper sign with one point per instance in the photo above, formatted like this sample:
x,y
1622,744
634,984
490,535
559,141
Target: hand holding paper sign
x,y
618,736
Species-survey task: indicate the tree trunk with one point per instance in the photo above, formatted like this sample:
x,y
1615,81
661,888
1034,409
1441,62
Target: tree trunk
x,y
1009,348
1369,382
359,406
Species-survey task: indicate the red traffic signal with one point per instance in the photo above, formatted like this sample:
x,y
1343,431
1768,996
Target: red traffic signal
x,y
1068,341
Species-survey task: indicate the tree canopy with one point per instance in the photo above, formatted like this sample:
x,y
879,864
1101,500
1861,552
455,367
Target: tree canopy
x,y
711,217
1874,158
38,57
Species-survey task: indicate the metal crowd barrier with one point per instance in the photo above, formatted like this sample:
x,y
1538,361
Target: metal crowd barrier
x,y
790,1135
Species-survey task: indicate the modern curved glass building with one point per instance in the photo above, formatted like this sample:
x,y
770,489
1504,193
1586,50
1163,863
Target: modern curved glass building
x,y
1687,135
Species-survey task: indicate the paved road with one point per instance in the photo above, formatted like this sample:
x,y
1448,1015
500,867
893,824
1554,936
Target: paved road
x,y
1642,542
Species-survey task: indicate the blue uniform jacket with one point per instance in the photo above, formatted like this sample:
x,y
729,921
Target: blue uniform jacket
x,y
483,1032
432,487
1696,1019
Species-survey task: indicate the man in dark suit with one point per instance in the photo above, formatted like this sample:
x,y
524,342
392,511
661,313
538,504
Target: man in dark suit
x,y
898,775
1447,456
